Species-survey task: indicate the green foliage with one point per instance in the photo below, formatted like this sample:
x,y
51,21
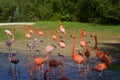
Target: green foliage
x,y
97,11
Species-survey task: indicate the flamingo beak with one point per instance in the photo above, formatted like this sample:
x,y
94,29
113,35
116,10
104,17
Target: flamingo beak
x,y
41,40
91,35
71,35
61,36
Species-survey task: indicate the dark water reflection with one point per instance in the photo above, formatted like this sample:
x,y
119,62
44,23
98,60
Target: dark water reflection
x,y
71,69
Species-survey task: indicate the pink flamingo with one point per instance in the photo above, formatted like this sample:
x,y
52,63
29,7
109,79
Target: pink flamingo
x,y
27,35
77,58
53,63
60,42
50,49
39,32
87,52
100,67
38,62
61,28
101,55
9,42
12,59
8,32
53,35
30,30
82,34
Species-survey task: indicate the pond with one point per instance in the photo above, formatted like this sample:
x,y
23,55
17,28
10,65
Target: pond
x,y
71,69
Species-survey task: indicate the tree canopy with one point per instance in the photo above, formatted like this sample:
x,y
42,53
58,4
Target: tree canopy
x,y
96,11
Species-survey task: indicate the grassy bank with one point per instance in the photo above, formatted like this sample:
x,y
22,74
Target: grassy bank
x,y
71,28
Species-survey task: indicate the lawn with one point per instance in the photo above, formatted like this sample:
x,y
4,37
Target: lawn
x,y
103,31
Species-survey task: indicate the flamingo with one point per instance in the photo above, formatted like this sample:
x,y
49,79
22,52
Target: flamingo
x,y
101,55
82,34
27,35
8,32
63,57
61,28
100,67
53,63
60,42
63,75
38,62
12,59
53,35
87,52
39,32
77,58
30,30
15,61
49,49
9,42
64,78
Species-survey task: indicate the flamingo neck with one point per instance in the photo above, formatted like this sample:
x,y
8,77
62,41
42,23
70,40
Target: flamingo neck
x,y
12,35
96,48
33,68
74,44
52,32
59,37
24,30
29,28
87,47
81,37
46,57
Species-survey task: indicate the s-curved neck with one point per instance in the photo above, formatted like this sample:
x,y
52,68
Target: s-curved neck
x,y
52,32
58,36
96,48
74,44
24,29
81,36
46,57
13,34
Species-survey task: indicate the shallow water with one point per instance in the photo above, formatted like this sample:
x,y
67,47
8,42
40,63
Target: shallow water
x,y
71,69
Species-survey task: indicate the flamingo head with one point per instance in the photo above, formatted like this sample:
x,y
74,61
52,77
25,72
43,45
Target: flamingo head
x,y
92,35
53,46
41,40
28,26
62,41
13,29
38,50
82,31
73,36
61,36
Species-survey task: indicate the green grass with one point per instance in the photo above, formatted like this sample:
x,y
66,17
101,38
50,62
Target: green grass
x,y
90,28
71,28
76,25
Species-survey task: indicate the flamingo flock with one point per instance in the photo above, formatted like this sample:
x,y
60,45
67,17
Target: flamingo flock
x,y
79,58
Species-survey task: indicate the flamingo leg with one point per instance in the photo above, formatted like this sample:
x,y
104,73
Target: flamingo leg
x,y
10,54
8,36
15,78
79,67
100,74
